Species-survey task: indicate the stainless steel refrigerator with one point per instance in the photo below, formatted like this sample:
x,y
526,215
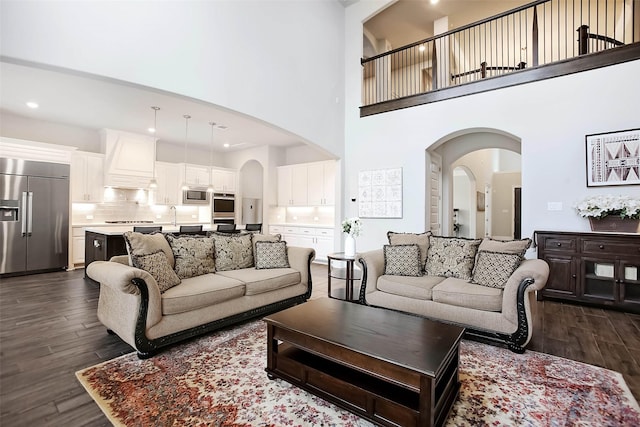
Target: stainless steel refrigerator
x,y
34,216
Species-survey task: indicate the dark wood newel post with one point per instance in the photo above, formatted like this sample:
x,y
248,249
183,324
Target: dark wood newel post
x,y
534,37
434,67
483,69
583,39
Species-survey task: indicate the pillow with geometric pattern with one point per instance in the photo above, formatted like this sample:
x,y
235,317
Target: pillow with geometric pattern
x,y
402,260
271,255
157,265
493,269
451,256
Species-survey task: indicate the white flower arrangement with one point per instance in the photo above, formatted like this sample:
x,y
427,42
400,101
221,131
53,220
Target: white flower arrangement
x,y
605,205
352,226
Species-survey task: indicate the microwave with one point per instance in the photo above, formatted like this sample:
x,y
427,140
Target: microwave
x,y
195,196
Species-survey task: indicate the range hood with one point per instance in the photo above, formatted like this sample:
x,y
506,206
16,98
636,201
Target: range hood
x,y
129,159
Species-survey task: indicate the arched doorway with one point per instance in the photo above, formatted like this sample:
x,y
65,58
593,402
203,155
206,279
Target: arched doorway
x,y
488,154
251,191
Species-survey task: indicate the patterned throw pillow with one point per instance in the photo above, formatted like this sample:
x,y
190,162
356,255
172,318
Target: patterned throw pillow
x,y
420,239
193,254
157,265
232,251
144,244
256,237
402,260
451,256
271,255
505,246
493,269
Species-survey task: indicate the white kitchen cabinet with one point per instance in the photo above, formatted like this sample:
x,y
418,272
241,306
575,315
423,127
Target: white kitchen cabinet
x,y
321,183
168,190
87,174
77,245
129,158
320,239
292,185
224,180
195,176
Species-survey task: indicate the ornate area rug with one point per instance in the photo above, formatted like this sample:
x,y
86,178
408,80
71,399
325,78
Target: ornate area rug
x,y
219,380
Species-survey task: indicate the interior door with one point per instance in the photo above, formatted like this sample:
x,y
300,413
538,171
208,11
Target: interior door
x,y
435,194
48,243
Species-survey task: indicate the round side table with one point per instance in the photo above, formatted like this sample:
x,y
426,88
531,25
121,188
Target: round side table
x,y
346,274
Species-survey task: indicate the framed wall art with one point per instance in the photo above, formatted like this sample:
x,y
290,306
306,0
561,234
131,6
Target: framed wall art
x,y
613,158
380,193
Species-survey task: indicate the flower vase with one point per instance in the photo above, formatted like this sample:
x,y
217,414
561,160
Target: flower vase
x,y
612,223
349,246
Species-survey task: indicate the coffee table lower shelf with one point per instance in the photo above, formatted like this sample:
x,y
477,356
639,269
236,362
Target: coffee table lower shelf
x,y
380,401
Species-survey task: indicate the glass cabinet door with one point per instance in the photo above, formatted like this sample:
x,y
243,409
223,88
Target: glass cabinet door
x,y
599,279
629,276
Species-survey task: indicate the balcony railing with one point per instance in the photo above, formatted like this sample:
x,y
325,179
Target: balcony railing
x,y
537,34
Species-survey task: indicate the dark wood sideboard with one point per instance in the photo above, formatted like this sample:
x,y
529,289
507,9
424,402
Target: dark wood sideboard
x,y
601,269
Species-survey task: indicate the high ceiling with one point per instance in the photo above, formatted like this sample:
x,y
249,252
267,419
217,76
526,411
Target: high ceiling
x,y
93,102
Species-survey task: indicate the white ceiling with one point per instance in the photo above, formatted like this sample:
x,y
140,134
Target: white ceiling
x,y
94,103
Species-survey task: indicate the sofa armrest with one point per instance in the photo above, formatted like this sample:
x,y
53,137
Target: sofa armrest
x,y
372,263
127,280
535,271
300,259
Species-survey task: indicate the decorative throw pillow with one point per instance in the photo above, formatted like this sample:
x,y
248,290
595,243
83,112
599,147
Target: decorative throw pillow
x,y
420,239
256,237
402,260
271,255
493,269
144,244
505,246
451,256
193,255
232,251
157,265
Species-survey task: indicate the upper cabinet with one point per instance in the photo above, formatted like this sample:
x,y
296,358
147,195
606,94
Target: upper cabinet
x,y
87,174
129,158
195,175
321,178
307,184
224,180
169,179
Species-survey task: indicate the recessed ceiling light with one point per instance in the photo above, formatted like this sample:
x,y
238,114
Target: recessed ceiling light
x,y
152,130
32,104
434,1
226,145
421,48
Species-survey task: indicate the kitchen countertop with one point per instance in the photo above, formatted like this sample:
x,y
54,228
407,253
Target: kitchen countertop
x,y
119,229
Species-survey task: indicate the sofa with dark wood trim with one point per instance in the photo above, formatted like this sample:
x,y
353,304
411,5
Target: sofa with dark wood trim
x,y
498,312
149,317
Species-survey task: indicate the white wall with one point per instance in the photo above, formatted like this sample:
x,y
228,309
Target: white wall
x,y
550,117
280,61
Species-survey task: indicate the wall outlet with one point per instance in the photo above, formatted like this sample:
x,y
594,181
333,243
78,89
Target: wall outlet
x,y
89,216
554,206
194,216
158,216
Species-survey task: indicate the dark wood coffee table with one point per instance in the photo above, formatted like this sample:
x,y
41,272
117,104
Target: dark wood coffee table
x,y
391,368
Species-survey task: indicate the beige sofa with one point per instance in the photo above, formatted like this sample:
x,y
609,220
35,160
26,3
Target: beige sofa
x,y
488,313
132,305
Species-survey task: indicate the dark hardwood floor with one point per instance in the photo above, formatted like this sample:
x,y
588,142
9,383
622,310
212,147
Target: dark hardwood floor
x,y
49,330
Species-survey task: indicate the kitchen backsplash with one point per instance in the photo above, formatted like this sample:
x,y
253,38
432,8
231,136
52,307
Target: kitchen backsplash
x,y
322,215
131,205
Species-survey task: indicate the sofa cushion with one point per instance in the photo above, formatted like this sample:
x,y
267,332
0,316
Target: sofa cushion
x,y
260,281
256,237
145,244
420,239
519,246
271,255
157,265
402,260
200,291
407,286
493,269
451,256
461,293
232,251
193,255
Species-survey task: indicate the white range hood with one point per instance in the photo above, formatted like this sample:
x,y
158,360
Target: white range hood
x,y
129,159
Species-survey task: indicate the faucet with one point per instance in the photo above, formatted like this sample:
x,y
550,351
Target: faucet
x,y
175,216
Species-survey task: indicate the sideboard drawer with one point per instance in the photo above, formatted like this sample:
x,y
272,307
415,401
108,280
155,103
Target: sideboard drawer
x,y
605,247
560,243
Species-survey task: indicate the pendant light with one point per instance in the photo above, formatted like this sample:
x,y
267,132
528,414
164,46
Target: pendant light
x,y
154,183
185,186
210,187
